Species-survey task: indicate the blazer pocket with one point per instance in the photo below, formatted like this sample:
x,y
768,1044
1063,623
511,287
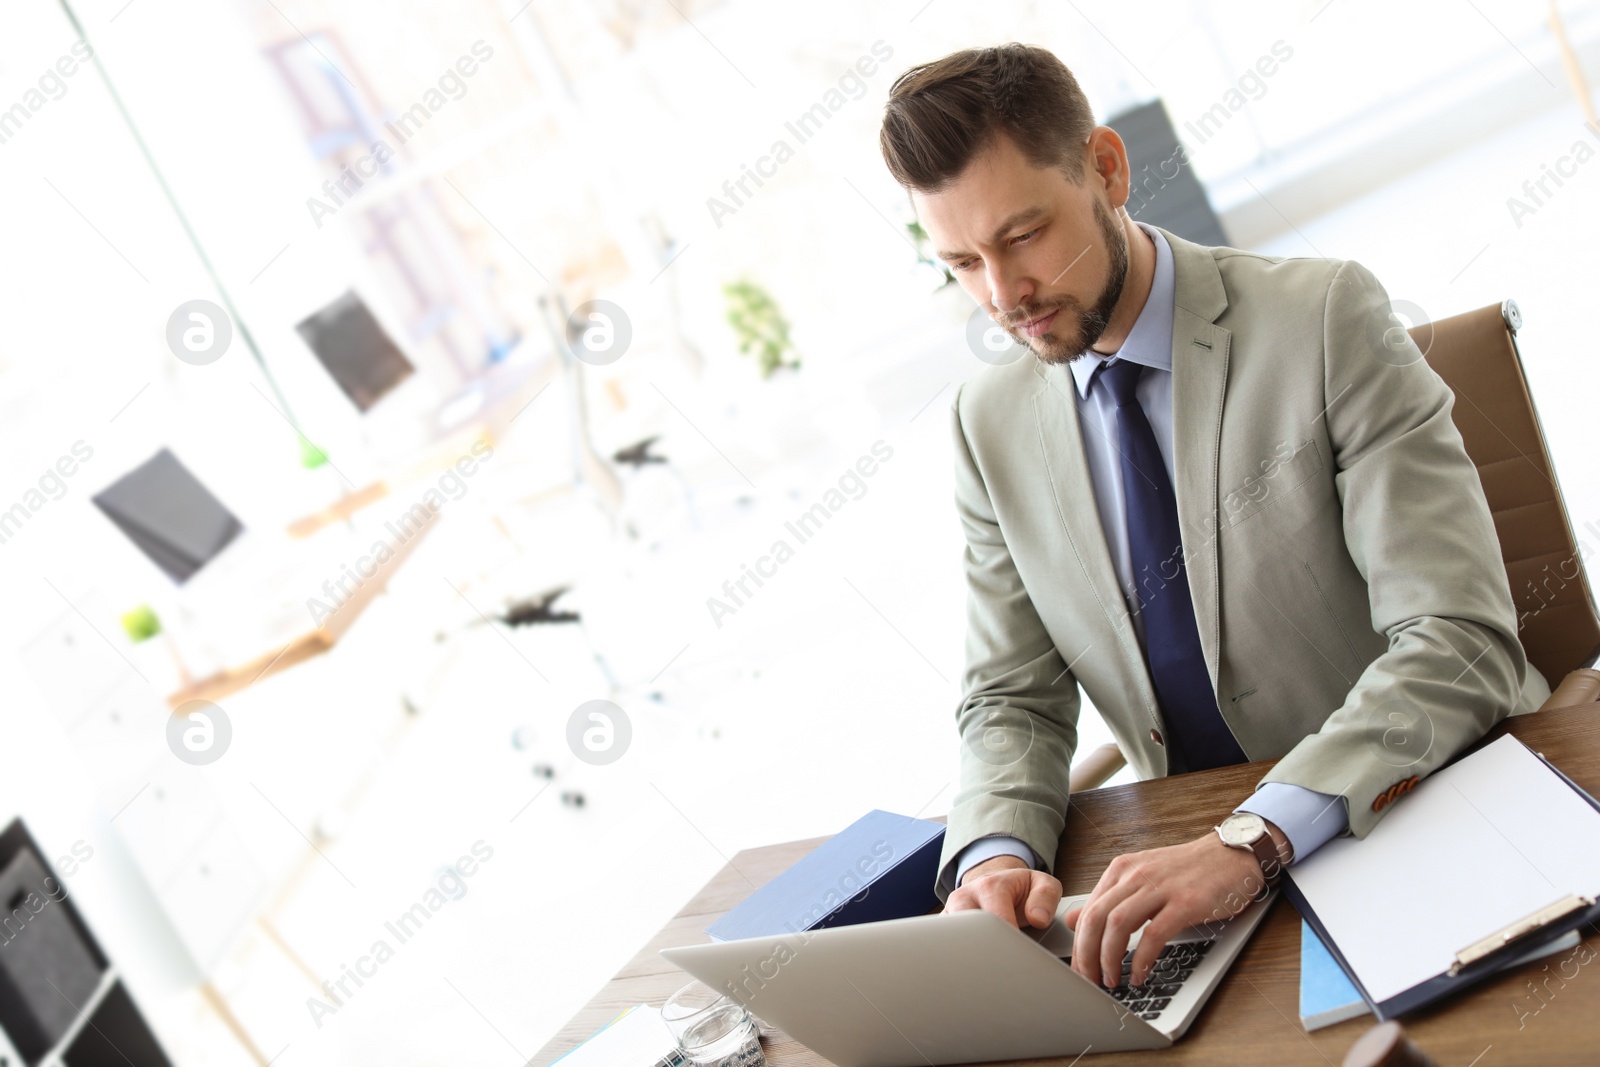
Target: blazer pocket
x,y
1279,475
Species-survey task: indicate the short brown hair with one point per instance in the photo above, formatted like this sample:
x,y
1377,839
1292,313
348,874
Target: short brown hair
x,y
942,114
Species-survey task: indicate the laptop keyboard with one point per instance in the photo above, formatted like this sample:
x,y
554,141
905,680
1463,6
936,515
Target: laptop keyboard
x,y
1172,968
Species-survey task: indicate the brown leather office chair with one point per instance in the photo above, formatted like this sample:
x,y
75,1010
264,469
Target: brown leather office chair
x,y
1476,355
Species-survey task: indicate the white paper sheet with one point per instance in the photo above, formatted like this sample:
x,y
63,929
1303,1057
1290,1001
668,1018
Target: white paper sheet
x,y
1471,849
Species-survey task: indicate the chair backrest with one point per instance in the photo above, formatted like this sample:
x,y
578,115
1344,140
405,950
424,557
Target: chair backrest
x,y
1176,201
1476,354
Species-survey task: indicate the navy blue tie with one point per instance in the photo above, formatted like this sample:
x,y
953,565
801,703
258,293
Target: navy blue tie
x,y
1197,736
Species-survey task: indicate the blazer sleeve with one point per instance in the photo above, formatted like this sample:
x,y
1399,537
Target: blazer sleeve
x,y
1418,529
1018,717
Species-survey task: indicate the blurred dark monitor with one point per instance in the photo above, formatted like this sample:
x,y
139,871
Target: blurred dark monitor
x,y
62,1003
169,515
48,964
355,350
1165,191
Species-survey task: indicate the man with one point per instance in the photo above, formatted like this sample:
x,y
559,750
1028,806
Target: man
x,y
1225,498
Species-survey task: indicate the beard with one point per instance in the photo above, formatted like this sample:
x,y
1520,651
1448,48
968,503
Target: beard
x,y
1077,328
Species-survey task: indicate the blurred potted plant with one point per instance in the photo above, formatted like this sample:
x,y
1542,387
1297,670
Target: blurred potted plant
x,y
311,457
158,661
141,624
926,258
761,329
952,302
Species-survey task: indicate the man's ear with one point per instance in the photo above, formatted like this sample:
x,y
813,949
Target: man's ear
x,y
1107,159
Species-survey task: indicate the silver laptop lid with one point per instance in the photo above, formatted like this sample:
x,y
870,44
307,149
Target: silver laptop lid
x,y
935,989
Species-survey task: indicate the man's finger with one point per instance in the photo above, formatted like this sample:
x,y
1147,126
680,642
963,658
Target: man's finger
x,y
1042,901
1108,878
999,897
1121,922
1091,926
962,900
1155,938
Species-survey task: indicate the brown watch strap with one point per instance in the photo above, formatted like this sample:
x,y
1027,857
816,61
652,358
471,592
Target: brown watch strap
x,y
1266,851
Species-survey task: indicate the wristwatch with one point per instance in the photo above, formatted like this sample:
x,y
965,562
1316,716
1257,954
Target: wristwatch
x,y
1248,831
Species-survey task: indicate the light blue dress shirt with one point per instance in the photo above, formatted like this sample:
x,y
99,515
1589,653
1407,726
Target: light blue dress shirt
x,y
1307,818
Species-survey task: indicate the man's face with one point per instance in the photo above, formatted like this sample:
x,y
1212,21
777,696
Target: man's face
x,y
1042,253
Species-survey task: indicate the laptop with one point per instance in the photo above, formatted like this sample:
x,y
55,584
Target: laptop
x,y
963,988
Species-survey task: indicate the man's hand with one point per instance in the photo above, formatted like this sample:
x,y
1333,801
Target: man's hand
x,y
1201,881
1009,888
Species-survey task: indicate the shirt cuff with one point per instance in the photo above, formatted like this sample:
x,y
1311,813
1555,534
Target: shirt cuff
x,y
987,848
1307,818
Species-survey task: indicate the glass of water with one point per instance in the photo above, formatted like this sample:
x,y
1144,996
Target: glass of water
x,y
712,1030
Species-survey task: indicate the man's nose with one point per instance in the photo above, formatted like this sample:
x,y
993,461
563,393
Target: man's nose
x,y
1007,293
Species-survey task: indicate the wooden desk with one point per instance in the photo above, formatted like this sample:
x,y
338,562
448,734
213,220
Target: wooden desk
x,y
1253,1017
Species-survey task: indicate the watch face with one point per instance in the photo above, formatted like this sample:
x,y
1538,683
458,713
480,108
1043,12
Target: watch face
x,y
1241,829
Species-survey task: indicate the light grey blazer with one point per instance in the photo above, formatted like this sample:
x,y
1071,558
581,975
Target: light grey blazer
x,y
1347,581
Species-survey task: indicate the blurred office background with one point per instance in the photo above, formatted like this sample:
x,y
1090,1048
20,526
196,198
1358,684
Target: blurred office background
x,y
400,218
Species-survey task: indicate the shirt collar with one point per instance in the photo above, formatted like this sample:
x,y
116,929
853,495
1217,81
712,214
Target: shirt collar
x,y
1150,341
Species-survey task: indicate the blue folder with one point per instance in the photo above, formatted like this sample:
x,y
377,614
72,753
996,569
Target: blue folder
x,y
882,866
1327,995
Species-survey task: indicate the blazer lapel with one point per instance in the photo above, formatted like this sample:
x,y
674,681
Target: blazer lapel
x,y
1060,435
1199,387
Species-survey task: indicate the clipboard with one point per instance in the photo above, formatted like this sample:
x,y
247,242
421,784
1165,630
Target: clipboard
x,y
1484,951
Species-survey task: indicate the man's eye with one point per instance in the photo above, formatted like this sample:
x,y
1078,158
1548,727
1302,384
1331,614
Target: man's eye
x,y
963,266
1024,236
